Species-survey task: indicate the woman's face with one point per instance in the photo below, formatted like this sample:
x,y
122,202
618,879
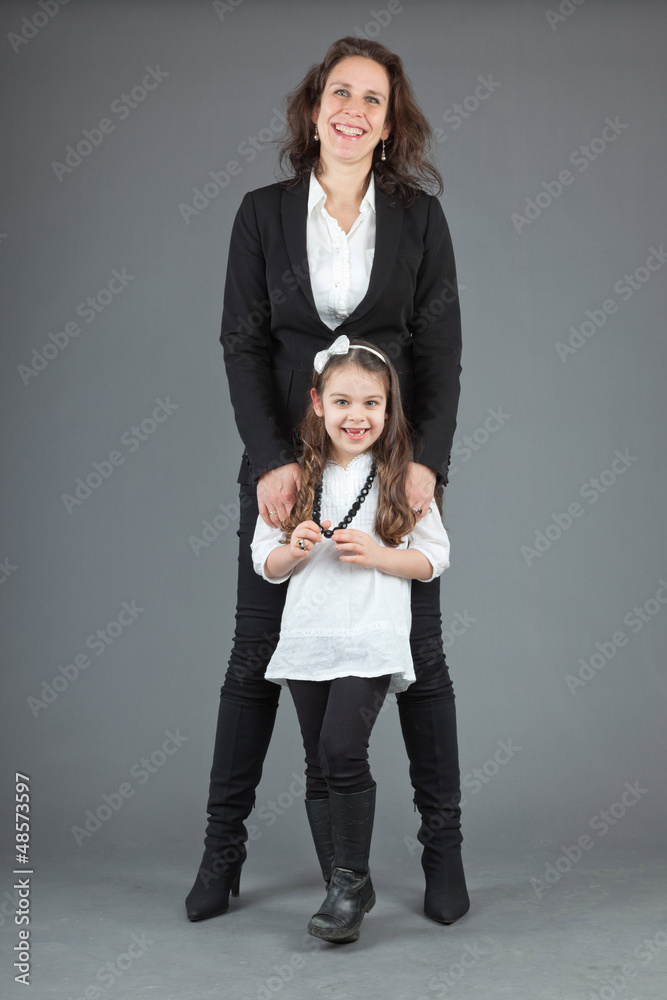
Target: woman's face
x,y
352,111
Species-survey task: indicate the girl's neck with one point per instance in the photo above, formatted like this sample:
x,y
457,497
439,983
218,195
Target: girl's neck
x,y
344,460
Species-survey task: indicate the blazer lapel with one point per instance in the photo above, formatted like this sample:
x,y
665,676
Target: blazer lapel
x,y
294,212
388,225
389,220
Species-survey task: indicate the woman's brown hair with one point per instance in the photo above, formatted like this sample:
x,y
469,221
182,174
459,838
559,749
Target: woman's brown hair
x,y
408,169
392,452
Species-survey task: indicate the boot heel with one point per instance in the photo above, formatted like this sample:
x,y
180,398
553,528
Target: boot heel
x,y
371,904
236,885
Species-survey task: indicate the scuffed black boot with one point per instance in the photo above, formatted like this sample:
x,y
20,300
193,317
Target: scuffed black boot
x,y
319,818
350,892
241,742
429,731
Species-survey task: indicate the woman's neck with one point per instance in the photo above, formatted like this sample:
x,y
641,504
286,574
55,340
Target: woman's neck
x,y
344,186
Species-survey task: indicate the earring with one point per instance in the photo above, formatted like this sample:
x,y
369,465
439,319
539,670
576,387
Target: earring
x,y
383,157
316,133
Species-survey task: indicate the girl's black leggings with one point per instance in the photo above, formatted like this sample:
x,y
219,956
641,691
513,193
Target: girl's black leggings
x,y
336,719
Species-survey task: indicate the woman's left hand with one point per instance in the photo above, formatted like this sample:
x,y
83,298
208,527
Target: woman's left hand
x,y
419,487
357,547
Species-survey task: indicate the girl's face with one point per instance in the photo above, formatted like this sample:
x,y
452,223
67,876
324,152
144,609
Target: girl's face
x,y
354,407
352,111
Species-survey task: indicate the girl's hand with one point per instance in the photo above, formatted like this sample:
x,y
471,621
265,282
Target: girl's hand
x,y
358,547
310,534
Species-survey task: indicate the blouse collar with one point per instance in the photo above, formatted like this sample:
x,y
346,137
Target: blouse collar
x,y
364,460
317,195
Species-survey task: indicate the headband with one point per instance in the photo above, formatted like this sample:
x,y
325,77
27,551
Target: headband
x,y
340,346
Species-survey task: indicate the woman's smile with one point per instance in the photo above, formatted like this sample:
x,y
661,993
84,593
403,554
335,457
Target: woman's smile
x,y
349,130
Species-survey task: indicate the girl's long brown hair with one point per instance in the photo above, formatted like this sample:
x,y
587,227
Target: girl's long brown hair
x,y
408,168
392,452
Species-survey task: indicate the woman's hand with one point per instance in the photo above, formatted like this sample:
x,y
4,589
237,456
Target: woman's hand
x,y
276,492
309,534
357,547
419,487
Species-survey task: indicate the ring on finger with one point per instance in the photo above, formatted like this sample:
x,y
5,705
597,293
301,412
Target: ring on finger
x,y
272,512
301,545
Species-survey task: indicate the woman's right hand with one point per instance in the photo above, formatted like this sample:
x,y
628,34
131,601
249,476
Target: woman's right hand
x,y
310,533
276,492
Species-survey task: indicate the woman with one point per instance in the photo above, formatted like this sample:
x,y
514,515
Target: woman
x,y
350,244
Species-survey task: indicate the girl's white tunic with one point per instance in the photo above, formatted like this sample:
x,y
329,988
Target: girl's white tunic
x,y
341,619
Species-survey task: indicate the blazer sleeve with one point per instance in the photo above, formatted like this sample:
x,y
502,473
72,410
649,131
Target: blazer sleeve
x,y
436,346
246,342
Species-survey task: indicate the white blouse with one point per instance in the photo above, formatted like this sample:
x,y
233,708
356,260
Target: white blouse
x,y
341,619
340,263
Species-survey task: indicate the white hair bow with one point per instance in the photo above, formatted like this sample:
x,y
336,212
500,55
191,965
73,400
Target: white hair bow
x,y
340,346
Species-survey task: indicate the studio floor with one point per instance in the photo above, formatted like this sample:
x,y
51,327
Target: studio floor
x,y
111,925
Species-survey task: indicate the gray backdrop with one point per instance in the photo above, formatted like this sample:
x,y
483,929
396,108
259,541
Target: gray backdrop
x,y
131,132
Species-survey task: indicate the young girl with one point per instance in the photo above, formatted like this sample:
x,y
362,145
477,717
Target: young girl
x,y
349,548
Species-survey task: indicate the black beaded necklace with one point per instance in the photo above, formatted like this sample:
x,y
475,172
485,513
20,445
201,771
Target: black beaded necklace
x,y
365,490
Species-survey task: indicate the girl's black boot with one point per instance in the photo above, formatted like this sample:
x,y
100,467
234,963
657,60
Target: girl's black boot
x,y
350,892
319,818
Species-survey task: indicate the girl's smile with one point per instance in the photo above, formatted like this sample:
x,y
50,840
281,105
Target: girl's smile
x,y
354,407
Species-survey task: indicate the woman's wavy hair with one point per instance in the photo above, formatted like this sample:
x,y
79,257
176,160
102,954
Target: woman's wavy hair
x,y
408,168
392,452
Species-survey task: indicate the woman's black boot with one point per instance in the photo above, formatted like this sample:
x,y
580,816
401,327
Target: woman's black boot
x,y
319,818
429,731
350,892
242,739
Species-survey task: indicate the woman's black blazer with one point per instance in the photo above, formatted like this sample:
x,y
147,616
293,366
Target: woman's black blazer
x,y
271,330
